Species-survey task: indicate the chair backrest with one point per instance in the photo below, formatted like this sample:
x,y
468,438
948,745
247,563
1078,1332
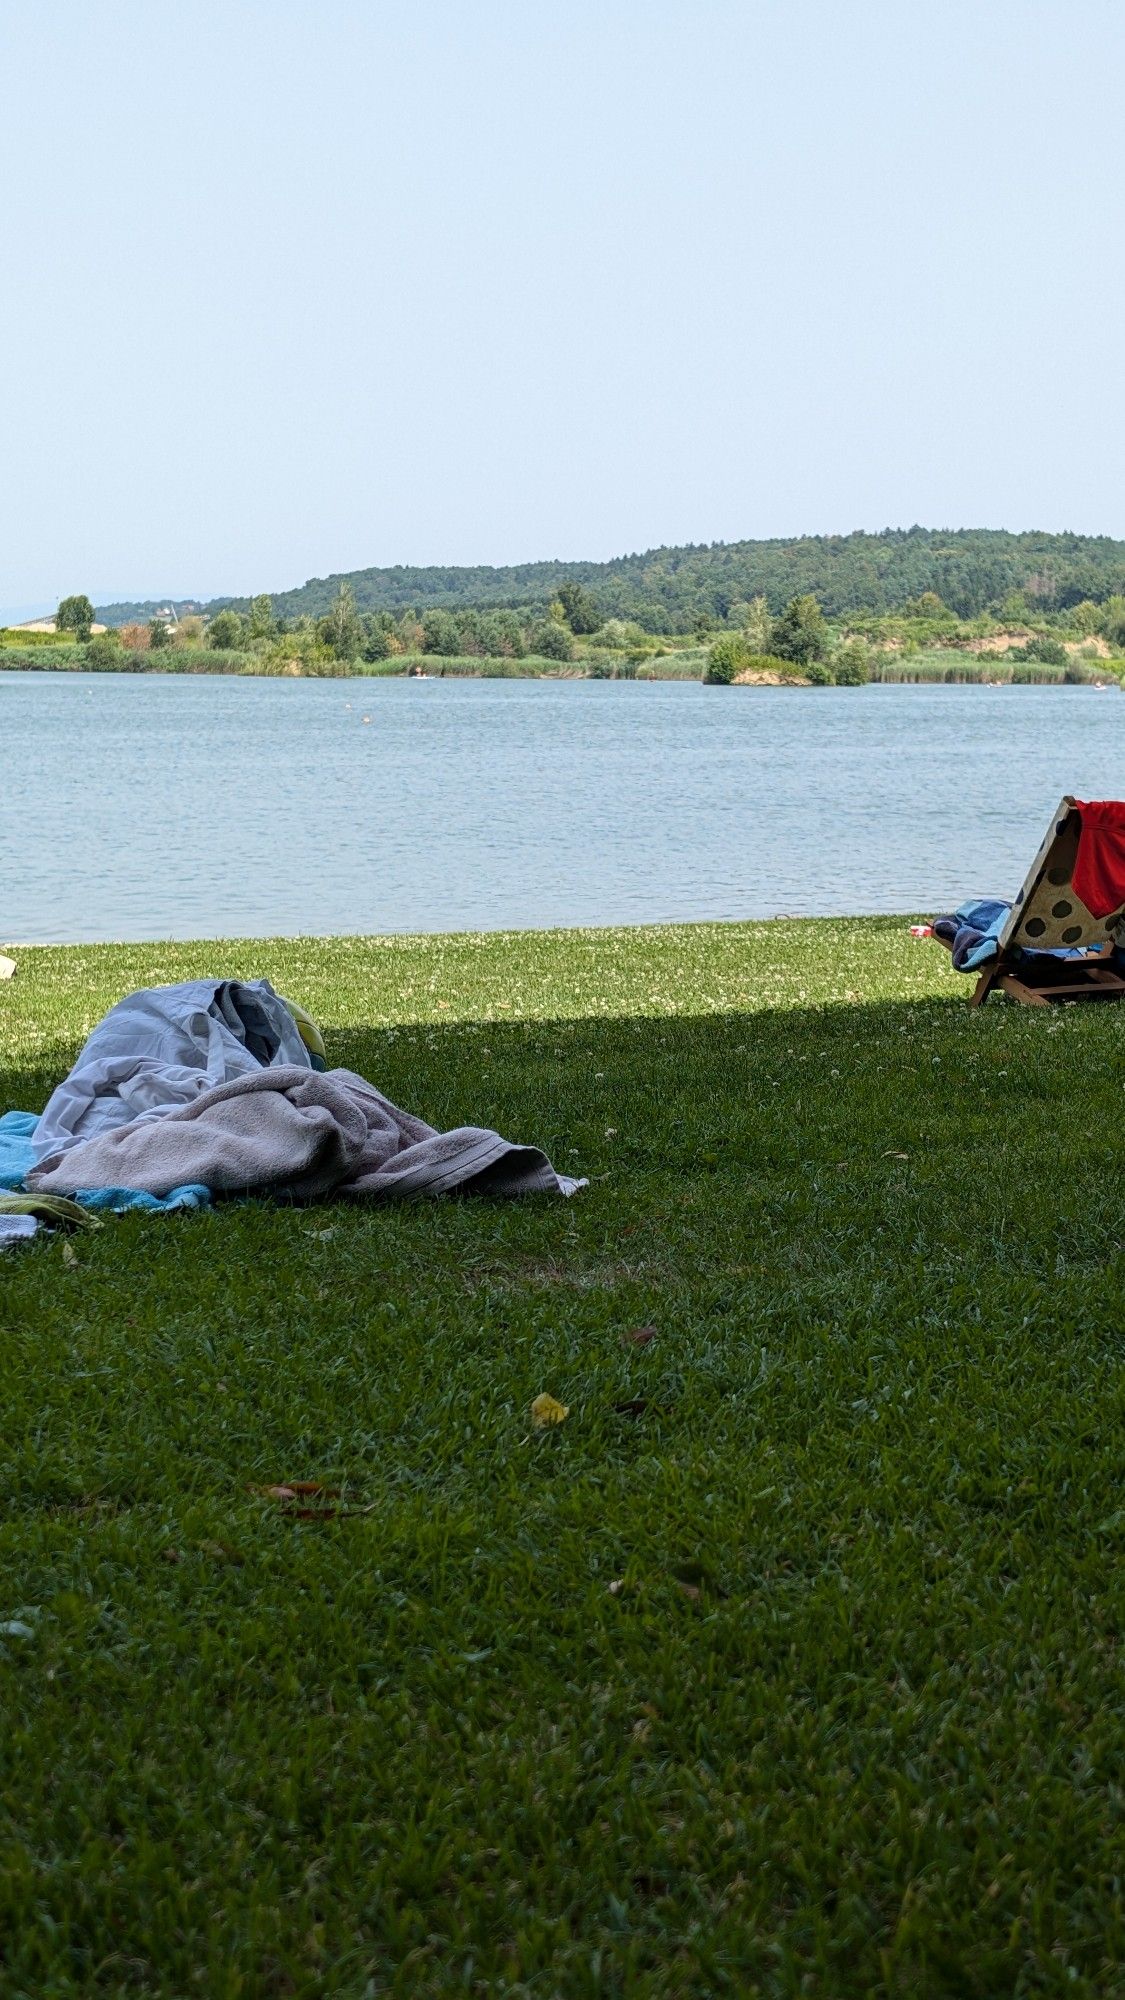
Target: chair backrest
x,y
1047,915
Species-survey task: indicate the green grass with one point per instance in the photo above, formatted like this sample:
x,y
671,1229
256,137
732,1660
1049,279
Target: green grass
x,y
800,1675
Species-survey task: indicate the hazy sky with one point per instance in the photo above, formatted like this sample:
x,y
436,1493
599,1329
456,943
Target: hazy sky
x,y
294,286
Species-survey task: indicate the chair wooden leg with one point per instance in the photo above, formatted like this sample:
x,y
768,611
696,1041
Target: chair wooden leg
x,y
1026,995
983,987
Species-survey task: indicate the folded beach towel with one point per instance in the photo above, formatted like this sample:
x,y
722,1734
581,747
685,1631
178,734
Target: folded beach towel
x,y
290,1132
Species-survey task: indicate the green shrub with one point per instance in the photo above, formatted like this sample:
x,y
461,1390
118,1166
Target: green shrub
x,y
579,609
103,652
853,667
1051,652
800,634
819,674
552,641
726,659
440,635
224,632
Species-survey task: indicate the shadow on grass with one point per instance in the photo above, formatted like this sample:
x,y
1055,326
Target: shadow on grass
x,y
907,1133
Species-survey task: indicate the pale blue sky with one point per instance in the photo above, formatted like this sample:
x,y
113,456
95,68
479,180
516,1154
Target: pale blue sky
x,y
301,286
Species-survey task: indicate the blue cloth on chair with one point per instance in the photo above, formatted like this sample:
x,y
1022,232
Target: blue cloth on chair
x,y
974,931
17,1157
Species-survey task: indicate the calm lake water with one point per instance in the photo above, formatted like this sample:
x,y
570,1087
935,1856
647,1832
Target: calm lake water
x,y
144,806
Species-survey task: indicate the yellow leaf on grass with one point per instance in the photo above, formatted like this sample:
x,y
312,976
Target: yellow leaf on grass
x,y
546,1410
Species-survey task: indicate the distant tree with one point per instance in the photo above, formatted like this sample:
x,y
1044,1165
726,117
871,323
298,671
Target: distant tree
x,y
1014,609
1086,617
378,636
224,632
928,605
261,619
159,635
75,614
800,634
579,609
341,630
470,634
440,634
757,624
1113,620
502,635
552,641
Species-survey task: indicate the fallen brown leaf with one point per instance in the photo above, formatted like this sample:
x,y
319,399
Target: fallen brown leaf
x,y
639,1336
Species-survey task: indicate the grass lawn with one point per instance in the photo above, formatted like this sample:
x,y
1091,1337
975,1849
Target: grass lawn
x,y
789,1663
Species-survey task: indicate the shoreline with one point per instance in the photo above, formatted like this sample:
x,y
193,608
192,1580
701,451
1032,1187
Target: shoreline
x,y
890,920
646,675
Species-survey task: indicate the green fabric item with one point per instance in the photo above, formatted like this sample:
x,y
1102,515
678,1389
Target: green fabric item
x,y
49,1208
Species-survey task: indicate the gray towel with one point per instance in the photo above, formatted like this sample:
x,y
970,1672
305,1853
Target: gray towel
x,y
291,1132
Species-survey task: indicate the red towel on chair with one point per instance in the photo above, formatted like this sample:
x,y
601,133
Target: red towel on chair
x,y
1099,872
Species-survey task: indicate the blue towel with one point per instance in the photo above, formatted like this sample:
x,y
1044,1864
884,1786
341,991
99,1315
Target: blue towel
x,y
974,930
17,1157
16,1154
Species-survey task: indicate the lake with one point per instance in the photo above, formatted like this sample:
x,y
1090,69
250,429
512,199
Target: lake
x,y
151,806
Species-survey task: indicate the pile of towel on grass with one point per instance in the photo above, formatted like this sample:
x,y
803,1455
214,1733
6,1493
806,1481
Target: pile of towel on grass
x,y
219,1087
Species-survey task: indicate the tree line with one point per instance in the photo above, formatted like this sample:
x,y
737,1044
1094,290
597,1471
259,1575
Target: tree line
x,y
750,637
677,590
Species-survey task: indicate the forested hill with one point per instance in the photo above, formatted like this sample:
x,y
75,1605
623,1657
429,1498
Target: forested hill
x,y
971,569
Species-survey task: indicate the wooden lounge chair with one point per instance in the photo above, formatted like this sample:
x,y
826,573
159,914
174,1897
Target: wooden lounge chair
x,y
1047,915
